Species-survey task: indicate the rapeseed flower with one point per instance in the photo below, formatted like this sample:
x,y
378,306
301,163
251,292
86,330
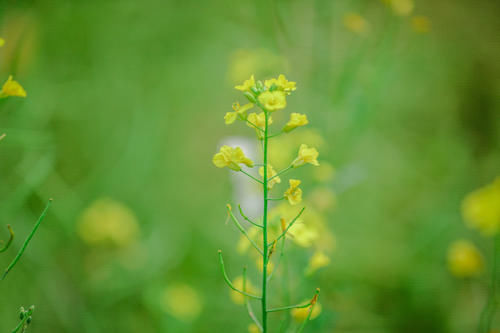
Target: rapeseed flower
x,y
296,120
230,117
12,88
2,42
182,302
306,155
281,83
259,121
464,259
231,158
273,100
481,209
246,85
318,260
294,193
355,23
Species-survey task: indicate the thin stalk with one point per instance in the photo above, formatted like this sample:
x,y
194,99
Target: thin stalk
x,y
249,175
489,309
228,281
264,224
313,304
247,219
28,239
243,231
290,225
9,242
283,308
256,127
280,173
247,303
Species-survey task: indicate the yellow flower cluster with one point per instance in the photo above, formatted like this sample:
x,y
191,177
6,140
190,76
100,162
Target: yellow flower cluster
x,y
481,209
12,88
231,158
464,259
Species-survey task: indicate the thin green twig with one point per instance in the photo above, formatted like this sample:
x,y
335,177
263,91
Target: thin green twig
x,y
290,225
249,175
313,304
9,242
229,283
256,127
247,219
243,231
247,303
283,308
28,239
281,172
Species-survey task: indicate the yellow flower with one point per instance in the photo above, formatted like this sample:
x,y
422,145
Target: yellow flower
x,y
401,7
107,221
281,83
317,261
247,84
355,23
296,120
306,155
252,328
259,120
231,158
324,173
260,266
273,100
294,192
421,24
230,117
270,173
301,314
12,88
303,235
2,42
481,209
464,259
182,302
238,298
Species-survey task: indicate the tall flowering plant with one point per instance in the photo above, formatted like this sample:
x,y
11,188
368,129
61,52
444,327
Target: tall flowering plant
x,y
267,97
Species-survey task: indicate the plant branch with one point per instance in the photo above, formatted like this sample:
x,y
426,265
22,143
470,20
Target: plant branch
x,y
247,303
249,175
247,219
9,242
243,231
290,225
229,283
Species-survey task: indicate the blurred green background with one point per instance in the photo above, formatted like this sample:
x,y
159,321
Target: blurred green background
x,y
125,110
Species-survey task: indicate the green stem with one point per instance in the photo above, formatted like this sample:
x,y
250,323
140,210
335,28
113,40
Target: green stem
x,y
283,308
243,231
28,239
490,306
229,283
290,225
249,175
247,303
256,127
9,242
280,173
264,224
23,321
315,300
247,219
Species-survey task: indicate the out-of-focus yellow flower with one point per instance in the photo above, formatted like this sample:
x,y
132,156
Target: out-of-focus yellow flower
x,y
260,266
322,198
355,23
301,314
107,221
230,117
294,193
12,88
247,84
2,42
281,83
182,302
464,259
296,120
259,120
401,7
270,173
273,100
238,298
317,261
324,173
231,158
481,209
252,328
306,155
421,24
303,235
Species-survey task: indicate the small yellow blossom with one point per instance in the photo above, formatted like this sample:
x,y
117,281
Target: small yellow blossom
x,y
296,120
230,117
464,259
252,328
317,261
238,298
107,221
273,100
306,155
355,23
303,235
294,192
270,173
481,209
182,302
401,7
231,158
2,42
259,120
12,88
421,24
281,83
247,85
301,314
